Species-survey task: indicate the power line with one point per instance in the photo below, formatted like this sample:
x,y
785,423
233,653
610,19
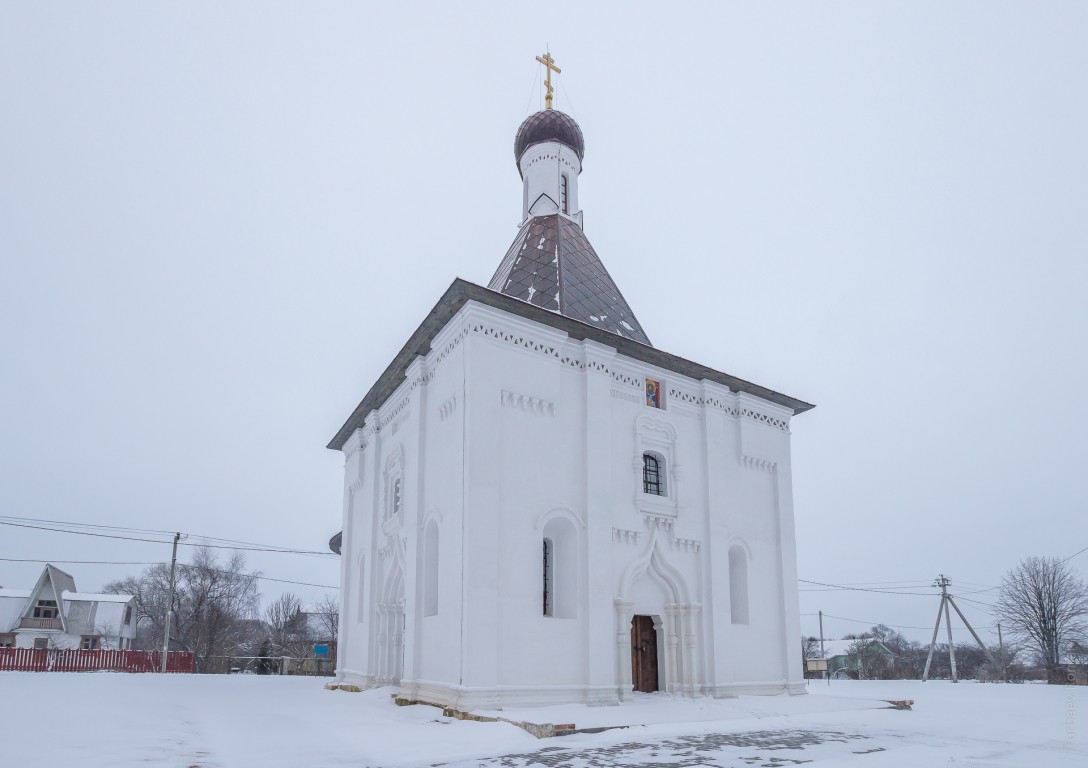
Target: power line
x,y
976,602
909,583
861,589
877,623
77,562
204,540
170,534
1078,552
259,577
160,562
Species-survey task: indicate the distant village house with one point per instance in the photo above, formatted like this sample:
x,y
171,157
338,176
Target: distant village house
x,y
55,615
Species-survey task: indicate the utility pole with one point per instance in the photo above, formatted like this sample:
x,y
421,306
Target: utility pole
x,y
1001,649
946,600
936,629
943,582
823,655
170,603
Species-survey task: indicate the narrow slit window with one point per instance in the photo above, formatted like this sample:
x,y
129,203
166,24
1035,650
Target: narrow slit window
x,y
549,566
563,193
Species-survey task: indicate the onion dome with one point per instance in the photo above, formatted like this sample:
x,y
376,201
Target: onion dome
x,y
549,125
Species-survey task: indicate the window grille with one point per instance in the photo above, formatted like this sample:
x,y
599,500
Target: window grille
x,y
548,565
651,474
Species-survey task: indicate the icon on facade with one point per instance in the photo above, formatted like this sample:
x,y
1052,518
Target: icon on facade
x,y
653,393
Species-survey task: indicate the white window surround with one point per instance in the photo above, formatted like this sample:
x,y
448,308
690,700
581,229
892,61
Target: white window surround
x,y
393,482
654,434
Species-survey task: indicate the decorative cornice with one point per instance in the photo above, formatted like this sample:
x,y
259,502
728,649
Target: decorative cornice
x,y
686,545
763,465
765,418
427,370
625,536
447,408
659,522
629,396
483,303
357,442
528,403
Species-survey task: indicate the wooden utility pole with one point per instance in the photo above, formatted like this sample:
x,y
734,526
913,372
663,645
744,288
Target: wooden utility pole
x,y
170,603
822,654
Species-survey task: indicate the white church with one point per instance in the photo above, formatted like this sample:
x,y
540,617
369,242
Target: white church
x,y
542,507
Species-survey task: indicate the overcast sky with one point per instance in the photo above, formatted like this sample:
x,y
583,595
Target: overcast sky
x,y
220,221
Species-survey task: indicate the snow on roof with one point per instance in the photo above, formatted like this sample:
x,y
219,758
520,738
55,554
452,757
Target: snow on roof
x,y
22,594
833,648
93,598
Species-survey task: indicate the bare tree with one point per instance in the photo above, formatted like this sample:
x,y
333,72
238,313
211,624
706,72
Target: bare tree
x,y
327,611
215,603
288,629
1046,605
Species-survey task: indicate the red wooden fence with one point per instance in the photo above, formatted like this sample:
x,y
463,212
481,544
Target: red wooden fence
x,y
75,660
24,659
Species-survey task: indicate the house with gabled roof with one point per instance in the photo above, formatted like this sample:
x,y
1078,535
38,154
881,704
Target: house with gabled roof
x,y
54,614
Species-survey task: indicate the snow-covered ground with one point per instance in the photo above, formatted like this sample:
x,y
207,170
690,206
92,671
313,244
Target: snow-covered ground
x,y
119,720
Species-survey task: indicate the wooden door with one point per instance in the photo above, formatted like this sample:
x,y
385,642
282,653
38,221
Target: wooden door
x,y
643,654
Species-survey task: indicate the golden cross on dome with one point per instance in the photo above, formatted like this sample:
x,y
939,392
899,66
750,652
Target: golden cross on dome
x,y
549,63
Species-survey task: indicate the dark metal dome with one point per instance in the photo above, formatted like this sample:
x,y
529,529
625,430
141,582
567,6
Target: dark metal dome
x,y
549,125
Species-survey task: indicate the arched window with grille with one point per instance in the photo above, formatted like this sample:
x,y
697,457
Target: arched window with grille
x,y
563,200
559,569
653,473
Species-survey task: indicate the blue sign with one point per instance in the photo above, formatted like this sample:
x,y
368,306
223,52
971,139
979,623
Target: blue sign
x,y
321,650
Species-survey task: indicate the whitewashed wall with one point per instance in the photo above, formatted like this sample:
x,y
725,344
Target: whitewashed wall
x,y
508,431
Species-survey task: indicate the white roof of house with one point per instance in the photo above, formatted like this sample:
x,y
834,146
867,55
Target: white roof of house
x,y
833,648
95,598
11,605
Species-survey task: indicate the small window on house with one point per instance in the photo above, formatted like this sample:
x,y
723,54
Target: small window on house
x,y
7,640
563,194
89,642
40,643
128,614
45,609
653,474
655,394
549,574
